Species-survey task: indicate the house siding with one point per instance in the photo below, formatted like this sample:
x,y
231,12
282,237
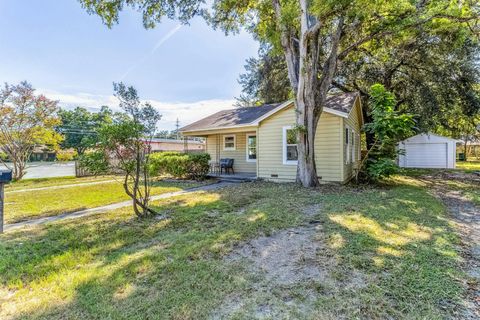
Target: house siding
x,y
353,122
328,149
239,155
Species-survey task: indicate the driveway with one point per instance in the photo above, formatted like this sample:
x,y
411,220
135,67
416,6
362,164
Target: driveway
x,y
49,169
454,189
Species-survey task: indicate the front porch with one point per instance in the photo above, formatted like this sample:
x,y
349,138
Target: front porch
x,y
237,177
239,146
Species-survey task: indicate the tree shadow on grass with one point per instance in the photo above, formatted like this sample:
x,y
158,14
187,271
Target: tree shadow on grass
x,y
116,266
402,237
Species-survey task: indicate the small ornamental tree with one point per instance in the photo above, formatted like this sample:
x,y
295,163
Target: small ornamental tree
x,y
26,120
125,145
388,127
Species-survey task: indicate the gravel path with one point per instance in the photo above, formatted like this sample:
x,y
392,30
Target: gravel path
x,y
467,217
87,212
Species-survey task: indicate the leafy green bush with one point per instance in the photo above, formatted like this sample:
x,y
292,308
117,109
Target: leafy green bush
x,y
66,155
94,162
381,168
180,165
198,165
388,127
3,156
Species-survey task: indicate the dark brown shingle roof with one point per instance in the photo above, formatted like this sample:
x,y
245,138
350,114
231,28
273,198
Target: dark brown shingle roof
x,y
342,102
232,117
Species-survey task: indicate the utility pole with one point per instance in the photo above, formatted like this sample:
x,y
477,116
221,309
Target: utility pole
x,y
177,126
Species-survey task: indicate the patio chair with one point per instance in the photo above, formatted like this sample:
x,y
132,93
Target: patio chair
x,y
226,164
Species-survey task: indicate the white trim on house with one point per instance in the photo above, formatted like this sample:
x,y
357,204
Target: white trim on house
x,y
256,123
347,141
272,112
248,135
336,112
234,142
284,148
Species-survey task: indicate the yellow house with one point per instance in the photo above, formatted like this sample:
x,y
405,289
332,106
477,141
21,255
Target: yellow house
x,y
259,139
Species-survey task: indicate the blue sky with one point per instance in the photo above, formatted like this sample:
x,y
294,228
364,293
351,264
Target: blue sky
x,y
185,71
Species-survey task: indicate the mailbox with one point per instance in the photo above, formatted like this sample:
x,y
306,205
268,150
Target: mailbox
x,y
5,176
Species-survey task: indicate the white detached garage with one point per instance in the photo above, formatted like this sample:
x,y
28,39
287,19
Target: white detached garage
x,y
428,151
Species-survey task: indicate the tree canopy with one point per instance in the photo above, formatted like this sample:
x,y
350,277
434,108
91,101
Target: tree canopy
x,y
265,80
80,127
26,120
316,37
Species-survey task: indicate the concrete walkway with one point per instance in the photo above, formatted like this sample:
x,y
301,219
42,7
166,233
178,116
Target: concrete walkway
x,y
66,186
114,206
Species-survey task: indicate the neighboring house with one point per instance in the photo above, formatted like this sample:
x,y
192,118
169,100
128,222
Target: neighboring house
x,y
428,151
43,153
161,145
262,143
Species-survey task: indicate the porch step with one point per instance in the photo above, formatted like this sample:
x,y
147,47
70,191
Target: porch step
x,y
234,178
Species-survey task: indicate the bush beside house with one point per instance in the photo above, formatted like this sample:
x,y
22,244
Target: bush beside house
x,y
180,165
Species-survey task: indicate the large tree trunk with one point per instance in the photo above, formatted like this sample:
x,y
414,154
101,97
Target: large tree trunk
x,y
310,80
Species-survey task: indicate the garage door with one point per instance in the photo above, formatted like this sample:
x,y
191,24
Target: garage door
x,y
426,155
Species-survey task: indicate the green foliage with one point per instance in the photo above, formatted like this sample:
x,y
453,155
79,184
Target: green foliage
x,y
388,127
265,79
66,155
95,162
80,127
26,120
123,146
378,169
180,165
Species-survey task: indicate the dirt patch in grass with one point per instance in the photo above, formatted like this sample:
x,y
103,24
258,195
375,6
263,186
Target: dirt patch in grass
x,y
289,261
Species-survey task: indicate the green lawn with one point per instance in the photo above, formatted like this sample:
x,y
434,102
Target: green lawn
x,y
397,237
40,203
50,182
469,165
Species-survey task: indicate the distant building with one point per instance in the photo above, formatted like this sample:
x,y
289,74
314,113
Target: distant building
x,y
41,153
162,145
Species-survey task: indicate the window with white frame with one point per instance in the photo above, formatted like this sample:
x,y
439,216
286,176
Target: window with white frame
x,y
359,148
350,145
290,152
229,142
353,144
251,148
347,145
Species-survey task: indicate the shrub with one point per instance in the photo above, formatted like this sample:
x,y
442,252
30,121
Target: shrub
x,y
180,165
388,127
94,162
3,156
66,155
381,168
198,165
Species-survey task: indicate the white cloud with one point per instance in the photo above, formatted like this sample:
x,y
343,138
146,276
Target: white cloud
x,y
155,48
186,112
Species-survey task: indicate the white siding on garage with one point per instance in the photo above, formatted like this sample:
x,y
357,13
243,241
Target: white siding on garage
x,y
426,155
427,151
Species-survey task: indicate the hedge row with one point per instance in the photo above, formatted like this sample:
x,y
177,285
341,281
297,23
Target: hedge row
x,y
180,165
